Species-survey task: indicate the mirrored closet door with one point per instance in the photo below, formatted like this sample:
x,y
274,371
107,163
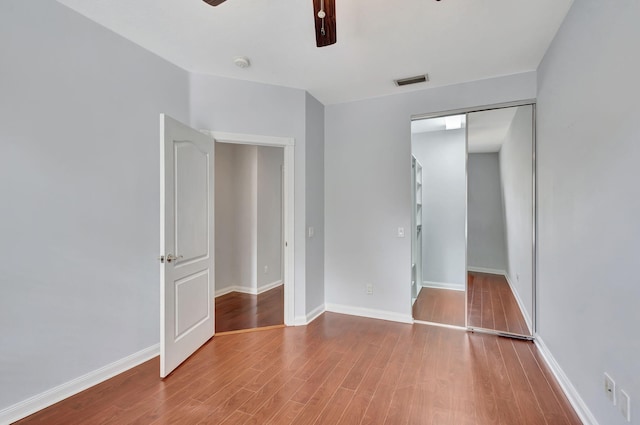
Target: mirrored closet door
x,y
439,197
500,218
473,220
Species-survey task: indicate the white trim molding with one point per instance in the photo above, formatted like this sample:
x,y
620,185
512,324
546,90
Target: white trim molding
x,y
269,286
443,285
310,317
288,144
486,270
440,325
570,391
40,401
247,290
249,139
523,310
369,312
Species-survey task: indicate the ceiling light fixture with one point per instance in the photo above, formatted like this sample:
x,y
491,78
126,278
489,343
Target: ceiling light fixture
x,y
242,61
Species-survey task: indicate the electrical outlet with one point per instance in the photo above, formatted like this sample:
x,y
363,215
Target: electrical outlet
x,y
266,269
610,388
369,289
625,405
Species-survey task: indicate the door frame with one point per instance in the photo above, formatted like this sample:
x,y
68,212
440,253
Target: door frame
x,y
534,211
288,143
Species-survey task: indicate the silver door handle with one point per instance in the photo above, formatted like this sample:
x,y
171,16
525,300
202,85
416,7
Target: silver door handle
x,y
169,258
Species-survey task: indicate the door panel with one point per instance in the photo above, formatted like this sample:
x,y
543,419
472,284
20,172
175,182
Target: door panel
x,y
187,230
192,200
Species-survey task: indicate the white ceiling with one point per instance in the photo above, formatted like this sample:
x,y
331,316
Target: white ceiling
x,y
486,132
378,40
487,129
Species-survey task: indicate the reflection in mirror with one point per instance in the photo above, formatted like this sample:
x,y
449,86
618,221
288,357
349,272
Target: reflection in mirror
x,y
438,233
500,220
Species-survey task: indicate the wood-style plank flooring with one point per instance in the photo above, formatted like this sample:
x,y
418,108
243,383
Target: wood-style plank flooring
x,y
337,370
440,306
492,304
236,311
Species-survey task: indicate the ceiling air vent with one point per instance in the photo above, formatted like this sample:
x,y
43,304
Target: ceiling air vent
x,y
412,80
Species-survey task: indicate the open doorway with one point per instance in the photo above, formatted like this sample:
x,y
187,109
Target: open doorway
x,y
187,235
249,248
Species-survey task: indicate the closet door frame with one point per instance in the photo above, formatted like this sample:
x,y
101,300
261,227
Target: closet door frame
x,y
534,271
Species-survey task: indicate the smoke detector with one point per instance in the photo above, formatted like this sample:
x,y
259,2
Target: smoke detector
x,y
241,62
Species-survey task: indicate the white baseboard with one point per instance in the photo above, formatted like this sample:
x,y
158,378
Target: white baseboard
x,y
310,317
414,299
269,286
40,401
225,291
247,290
523,310
443,285
570,391
368,312
486,270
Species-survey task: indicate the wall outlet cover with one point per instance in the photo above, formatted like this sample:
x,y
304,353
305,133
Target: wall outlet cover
x,y
625,405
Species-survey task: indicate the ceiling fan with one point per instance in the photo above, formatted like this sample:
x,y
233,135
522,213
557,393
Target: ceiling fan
x,y
324,16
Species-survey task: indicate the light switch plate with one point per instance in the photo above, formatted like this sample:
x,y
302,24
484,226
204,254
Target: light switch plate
x,y
401,232
610,388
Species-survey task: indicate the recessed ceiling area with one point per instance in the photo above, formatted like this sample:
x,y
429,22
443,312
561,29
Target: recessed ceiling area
x,y
377,41
486,129
428,125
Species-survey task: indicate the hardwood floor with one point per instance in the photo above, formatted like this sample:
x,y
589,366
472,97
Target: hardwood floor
x,y
235,310
492,304
337,370
440,306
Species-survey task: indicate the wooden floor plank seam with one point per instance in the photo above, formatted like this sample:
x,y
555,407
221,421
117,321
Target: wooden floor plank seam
x,y
340,370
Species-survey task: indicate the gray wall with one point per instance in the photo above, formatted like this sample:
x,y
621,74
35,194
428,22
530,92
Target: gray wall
x,y
80,109
486,238
227,262
589,202
314,133
368,188
246,219
516,172
269,211
236,216
79,217
443,158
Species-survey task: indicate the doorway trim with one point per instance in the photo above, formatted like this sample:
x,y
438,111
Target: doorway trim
x,y
288,143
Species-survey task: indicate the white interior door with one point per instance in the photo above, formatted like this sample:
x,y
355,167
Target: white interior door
x,y
186,242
